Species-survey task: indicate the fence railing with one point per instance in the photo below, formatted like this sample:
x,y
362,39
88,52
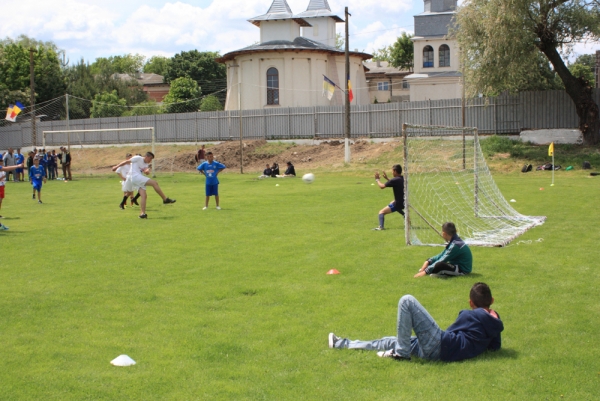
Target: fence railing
x,y
499,115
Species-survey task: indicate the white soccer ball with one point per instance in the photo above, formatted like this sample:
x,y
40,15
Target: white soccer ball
x,y
308,178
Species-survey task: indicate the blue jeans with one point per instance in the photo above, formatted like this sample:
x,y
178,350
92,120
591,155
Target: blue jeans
x,y
426,344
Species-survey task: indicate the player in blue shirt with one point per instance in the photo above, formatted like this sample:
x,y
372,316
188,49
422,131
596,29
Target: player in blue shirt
x,y
37,174
19,159
210,169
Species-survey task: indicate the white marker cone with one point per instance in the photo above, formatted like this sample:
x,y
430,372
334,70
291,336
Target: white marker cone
x,y
122,360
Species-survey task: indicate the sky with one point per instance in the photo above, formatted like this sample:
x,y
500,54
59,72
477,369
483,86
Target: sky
x,y
101,28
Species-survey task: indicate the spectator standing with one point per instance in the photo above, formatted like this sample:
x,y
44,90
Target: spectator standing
x,y
19,159
9,160
201,155
65,162
55,163
30,157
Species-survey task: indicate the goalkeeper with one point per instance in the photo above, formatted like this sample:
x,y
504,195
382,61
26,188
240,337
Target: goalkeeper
x,y
397,183
455,260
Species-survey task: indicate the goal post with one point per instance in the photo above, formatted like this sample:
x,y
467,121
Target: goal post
x,y
447,179
75,131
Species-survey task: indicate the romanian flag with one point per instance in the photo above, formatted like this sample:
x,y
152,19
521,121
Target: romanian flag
x,y
13,111
551,149
350,94
328,87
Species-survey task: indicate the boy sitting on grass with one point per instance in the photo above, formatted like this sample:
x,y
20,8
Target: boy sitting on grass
x,y
473,332
455,260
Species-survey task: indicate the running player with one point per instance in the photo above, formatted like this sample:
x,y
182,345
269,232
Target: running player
x,y
37,174
139,167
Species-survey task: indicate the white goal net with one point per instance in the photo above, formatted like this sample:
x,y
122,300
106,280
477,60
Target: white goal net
x,y
447,179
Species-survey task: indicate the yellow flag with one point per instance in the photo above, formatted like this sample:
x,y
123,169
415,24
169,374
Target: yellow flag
x,y
551,149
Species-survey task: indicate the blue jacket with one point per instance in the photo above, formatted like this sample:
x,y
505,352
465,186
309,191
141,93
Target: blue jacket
x,y
473,332
457,253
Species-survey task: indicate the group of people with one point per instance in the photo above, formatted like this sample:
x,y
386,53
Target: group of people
x,y
272,171
48,159
474,331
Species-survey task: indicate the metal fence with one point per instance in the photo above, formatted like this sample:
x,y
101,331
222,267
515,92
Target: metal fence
x,y
499,115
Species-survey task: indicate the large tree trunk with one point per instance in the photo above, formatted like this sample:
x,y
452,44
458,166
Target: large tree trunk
x,y
578,89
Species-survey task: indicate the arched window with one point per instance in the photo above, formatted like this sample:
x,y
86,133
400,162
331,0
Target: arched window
x,y
444,56
427,57
272,86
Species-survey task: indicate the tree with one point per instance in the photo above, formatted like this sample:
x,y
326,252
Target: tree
x,y
382,54
340,42
584,67
201,67
500,41
211,103
107,104
126,64
184,96
147,108
157,65
14,71
402,52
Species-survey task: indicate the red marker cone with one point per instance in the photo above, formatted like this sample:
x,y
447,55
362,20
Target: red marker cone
x,y
333,271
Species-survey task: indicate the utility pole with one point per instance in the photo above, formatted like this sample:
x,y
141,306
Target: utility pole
x,y
347,110
32,97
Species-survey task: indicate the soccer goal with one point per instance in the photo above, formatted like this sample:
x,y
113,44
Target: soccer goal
x,y
446,179
95,137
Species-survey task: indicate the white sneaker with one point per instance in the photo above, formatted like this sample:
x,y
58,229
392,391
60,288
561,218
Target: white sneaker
x,y
332,340
218,208
204,208
3,227
391,354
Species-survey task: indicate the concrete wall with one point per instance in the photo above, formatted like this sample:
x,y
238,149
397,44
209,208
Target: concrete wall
x,y
419,45
435,89
278,30
322,30
300,79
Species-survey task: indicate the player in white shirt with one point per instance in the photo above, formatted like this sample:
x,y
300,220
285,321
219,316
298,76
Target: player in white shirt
x,y
136,178
123,172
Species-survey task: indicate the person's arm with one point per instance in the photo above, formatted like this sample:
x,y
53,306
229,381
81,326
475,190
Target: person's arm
x,y
220,168
200,169
11,168
121,164
378,180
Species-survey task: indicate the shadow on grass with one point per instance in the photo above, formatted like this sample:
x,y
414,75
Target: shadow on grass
x,y
11,218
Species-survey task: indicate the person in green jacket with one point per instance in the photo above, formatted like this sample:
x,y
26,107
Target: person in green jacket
x,y
455,260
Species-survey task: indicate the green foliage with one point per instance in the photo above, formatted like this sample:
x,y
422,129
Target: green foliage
x,y
250,321
402,52
107,104
199,66
382,54
182,90
157,65
580,70
587,60
211,103
147,108
340,42
15,71
126,64
501,42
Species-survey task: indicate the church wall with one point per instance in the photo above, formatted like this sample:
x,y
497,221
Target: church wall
x,y
300,79
278,30
448,88
419,45
322,30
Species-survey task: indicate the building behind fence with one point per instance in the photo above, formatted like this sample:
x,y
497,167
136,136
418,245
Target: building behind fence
x,y
499,115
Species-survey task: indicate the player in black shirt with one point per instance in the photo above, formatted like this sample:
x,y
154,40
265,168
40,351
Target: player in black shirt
x,y
397,183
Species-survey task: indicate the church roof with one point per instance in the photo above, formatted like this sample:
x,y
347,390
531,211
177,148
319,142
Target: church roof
x,y
299,44
279,10
318,8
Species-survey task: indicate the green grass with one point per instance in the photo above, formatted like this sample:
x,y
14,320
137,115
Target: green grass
x,y
564,154
235,304
274,148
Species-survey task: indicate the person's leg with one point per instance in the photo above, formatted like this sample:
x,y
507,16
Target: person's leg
x,y
382,213
217,200
39,192
381,344
413,316
144,195
69,172
446,269
154,185
64,169
206,201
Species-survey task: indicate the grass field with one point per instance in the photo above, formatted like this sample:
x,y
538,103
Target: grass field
x,y
235,304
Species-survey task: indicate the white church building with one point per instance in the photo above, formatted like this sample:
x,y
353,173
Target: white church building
x,y
436,65
286,68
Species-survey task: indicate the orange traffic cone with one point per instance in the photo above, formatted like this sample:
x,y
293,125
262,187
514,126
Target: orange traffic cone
x,y
333,271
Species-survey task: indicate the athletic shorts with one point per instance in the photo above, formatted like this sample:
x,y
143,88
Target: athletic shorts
x,y
212,190
392,206
19,170
1,191
135,183
37,186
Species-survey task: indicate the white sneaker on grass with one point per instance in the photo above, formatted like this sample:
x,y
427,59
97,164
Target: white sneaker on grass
x,y
3,227
218,208
390,353
333,339
204,208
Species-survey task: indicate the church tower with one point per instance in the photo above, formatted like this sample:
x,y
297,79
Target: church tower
x,y
322,22
279,23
